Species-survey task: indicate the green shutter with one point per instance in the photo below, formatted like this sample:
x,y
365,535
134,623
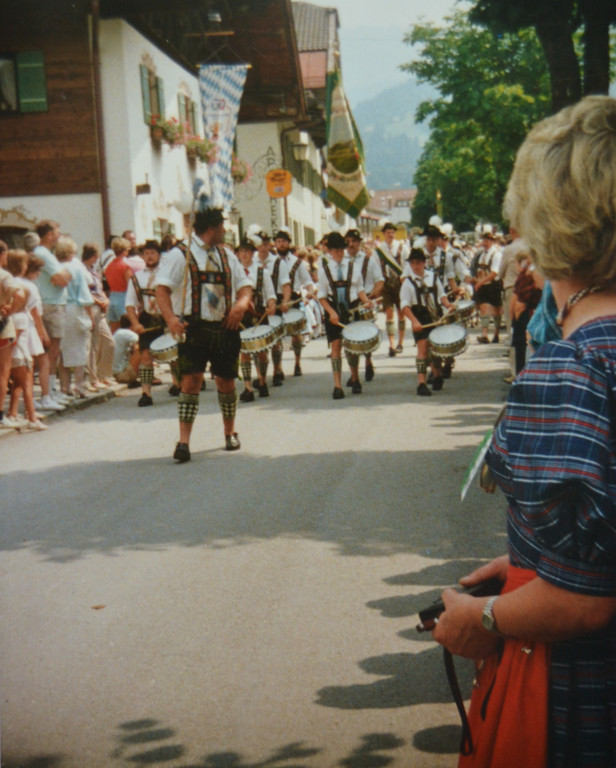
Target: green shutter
x,y
193,117
31,85
160,93
145,93
182,113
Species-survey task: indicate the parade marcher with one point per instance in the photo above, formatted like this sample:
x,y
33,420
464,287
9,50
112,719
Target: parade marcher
x,y
421,294
488,288
460,279
372,278
299,278
144,315
340,291
264,300
392,254
277,268
208,287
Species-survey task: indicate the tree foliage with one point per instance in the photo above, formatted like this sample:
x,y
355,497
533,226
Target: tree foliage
x,y
556,23
492,89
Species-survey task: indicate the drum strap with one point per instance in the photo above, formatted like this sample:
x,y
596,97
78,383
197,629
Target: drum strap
x,y
422,292
259,298
293,272
275,273
364,267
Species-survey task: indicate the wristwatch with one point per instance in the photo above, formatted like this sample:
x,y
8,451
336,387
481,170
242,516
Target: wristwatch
x,y
487,616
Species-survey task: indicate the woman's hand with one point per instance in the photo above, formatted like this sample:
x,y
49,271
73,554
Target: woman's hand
x,y
459,627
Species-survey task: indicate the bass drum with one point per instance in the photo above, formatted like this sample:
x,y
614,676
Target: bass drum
x,y
361,337
164,348
447,341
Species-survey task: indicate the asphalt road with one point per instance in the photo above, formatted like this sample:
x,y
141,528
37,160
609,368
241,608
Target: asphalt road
x,y
245,609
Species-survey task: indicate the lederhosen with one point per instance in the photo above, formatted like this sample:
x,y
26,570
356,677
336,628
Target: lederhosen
x,y
421,310
391,286
292,272
208,340
252,317
344,313
146,319
275,273
489,293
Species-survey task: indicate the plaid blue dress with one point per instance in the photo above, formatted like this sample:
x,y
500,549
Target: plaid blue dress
x,y
554,457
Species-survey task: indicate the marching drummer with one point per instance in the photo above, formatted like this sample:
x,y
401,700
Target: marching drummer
x,y
207,285
264,298
392,254
372,277
277,268
421,293
340,289
144,315
299,277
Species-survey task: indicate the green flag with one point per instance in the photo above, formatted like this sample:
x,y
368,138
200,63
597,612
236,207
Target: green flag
x,y
346,186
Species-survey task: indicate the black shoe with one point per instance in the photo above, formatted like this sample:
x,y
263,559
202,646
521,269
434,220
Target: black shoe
x,y
356,388
423,390
369,372
133,384
298,370
495,339
174,390
483,340
447,371
145,400
277,379
263,390
256,383
338,393
232,442
181,453
392,352
437,383
430,378
247,396
399,349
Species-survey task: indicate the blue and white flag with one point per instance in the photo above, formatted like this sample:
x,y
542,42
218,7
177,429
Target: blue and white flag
x,y
221,87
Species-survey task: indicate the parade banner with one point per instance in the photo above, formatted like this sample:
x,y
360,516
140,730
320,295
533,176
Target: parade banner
x,y
221,87
346,186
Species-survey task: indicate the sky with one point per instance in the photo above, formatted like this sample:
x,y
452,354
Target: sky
x,y
371,33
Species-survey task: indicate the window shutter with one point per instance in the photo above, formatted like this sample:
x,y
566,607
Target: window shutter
x,y
31,84
193,117
182,108
160,93
145,93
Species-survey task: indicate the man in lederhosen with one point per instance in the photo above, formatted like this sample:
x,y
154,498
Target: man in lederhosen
x,y
144,315
264,299
299,277
421,294
392,253
279,273
340,291
488,288
218,294
372,278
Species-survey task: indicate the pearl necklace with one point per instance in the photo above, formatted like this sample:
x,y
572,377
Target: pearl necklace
x,y
573,300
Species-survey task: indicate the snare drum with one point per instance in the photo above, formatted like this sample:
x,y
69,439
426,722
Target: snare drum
x,y
294,322
464,310
447,340
363,313
258,338
164,348
277,323
361,337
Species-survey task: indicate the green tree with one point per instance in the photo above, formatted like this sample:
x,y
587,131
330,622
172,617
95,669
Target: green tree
x,y
492,90
557,24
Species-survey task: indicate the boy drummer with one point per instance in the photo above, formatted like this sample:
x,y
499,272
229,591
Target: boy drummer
x,y
420,294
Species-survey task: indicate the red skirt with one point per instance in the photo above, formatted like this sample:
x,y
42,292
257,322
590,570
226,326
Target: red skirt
x,y
508,714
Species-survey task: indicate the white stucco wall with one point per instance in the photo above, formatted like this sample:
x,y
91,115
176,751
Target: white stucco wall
x,y
132,158
80,216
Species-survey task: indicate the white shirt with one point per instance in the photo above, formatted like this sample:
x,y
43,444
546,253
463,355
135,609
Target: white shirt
x,y
171,274
408,293
399,252
489,261
267,286
301,278
374,273
283,271
325,289
146,279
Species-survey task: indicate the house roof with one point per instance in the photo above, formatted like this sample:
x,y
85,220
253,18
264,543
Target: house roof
x,y
312,26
